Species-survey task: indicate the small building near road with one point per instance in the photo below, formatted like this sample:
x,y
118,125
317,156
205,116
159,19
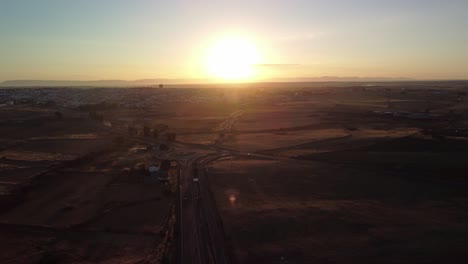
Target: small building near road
x,y
156,173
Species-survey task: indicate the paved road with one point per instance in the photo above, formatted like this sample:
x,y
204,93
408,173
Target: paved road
x,y
229,123
211,215
190,238
201,232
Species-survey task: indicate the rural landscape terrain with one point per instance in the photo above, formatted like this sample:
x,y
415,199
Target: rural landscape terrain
x,y
233,132
250,173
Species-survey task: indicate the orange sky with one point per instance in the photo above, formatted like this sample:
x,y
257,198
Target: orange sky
x,y
86,40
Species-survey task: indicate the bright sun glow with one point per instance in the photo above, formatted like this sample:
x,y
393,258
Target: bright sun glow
x,y
232,59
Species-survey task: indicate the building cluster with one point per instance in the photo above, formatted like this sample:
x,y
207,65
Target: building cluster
x,y
119,97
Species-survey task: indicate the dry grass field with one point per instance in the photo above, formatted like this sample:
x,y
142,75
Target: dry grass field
x,y
325,212
95,212
69,195
339,184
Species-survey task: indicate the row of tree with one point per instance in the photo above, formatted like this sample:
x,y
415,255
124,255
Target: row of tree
x,y
154,132
96,116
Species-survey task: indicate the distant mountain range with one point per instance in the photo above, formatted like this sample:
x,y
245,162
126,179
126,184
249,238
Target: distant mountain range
x,y
155,82
97,83
339,79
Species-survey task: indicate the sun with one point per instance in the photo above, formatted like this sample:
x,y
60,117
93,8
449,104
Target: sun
x,y
232,59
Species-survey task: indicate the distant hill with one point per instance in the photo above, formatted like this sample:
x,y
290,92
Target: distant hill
x,y
155,82
339,79
104,83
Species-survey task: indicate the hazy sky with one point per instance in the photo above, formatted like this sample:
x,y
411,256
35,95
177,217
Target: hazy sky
x,y
133,39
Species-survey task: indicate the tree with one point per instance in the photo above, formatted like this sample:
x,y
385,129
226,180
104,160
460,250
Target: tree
x,y
146,131
165,165
161,127
131,130
50,103
99,117
163,147
94,115
58,115
118,140
171,136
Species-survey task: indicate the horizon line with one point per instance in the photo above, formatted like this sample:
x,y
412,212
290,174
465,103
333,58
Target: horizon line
x,y
5,84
